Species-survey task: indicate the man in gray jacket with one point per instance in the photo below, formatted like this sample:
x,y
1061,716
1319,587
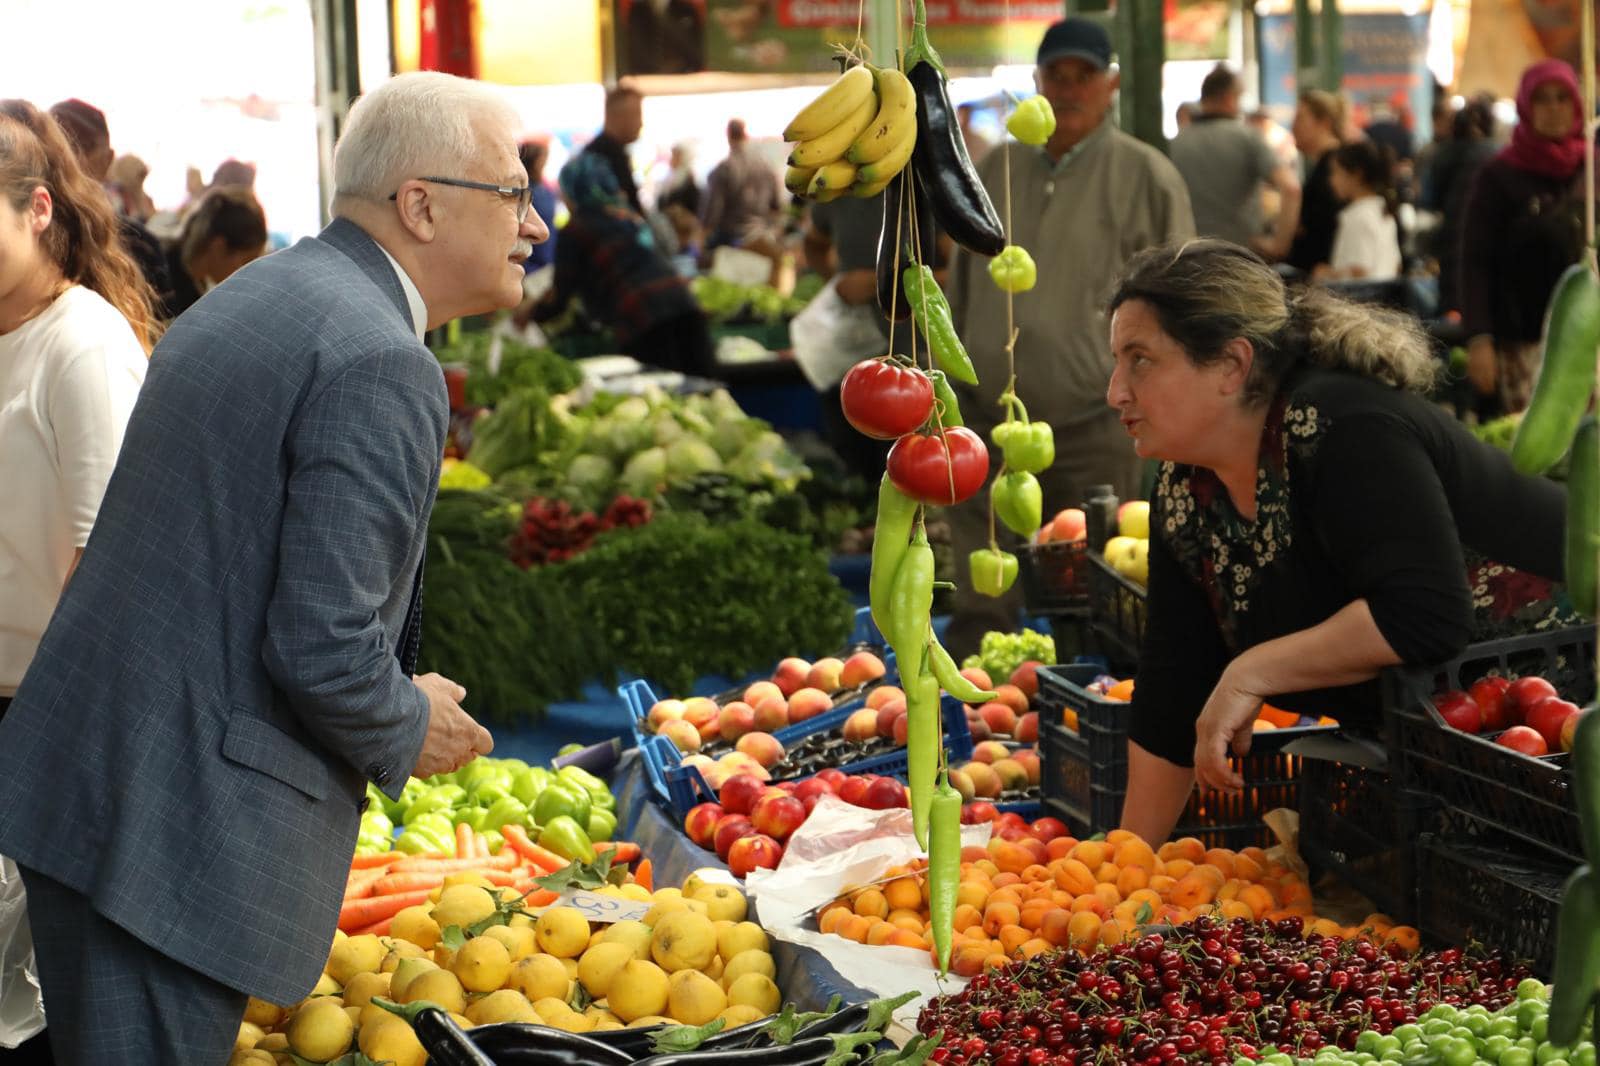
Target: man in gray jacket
x,y
184,765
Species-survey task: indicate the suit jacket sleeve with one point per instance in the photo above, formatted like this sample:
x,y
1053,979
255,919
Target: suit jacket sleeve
x,y
363,460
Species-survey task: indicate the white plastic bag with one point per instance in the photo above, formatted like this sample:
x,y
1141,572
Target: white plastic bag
x,y
21,1002
830,336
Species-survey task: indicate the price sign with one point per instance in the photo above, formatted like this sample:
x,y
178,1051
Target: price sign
x,y
606,909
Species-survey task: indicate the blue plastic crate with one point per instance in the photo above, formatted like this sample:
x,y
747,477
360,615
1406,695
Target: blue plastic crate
x,y
1030,809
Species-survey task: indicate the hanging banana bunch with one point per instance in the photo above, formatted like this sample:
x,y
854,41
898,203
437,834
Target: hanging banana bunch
x,y
853,138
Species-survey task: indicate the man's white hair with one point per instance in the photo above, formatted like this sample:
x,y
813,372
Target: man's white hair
x,y
411,126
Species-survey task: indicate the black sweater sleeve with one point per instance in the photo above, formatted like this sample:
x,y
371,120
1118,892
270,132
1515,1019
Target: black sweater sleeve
x,y
1181,658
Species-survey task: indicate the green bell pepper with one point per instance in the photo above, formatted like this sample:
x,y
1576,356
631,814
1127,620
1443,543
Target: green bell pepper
x,y
439,821
495,841
512,766
376,821
417,839
470,816
478,770
599,792
1018,502
1028,447
427,803
1013,269
564,836
527,784
568,749
485,793
562,798
1033,121
602,824
507,811
993,571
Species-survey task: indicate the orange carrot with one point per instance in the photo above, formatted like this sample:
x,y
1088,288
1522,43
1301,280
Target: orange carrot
x,y
534,896
464,846
410,882
644,875
621,851
503,861
359,912
361,882
543,858
381,859
378,928
483,846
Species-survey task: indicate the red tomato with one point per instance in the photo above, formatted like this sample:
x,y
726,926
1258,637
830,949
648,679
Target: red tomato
x,y
974,813
1522,694
1459,710
922,468
1548,716
1521,738
884,399
1489,693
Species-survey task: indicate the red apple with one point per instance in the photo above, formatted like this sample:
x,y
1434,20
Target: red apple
x,y
1548,716
1047,828
976,813
862,725
833,776
740,792
1011,832
1011,818
1069,524
790,676
811,802
901,728
1026,678
825,675
1521,738
884,793
1522,694
1012,697
778,816
701,823
755,852
772,714
859,669
730,827
1569,728
812,786
888,711
762,747
735,720
1489,693
854,790
1459,710
808,703
1027,730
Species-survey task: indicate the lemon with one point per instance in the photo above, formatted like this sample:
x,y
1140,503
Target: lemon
x,y
713,969
482,964
605,1020
506,1005
634,934
748,962
388,1039
662,908
468,877
520,943
363,986
639,989
755,990
520,921
735,1016
415,925
695,881
562,932
666,893
650,1019
723,902
571,966
737,939
600,964
260,1012
636,893
462,905
250,1057
355,1017
326,986
558,1014
407,971
693,998
400,949
273,1042
540,977
353,955
320,1031
437,986
699,906
250,1034
683,940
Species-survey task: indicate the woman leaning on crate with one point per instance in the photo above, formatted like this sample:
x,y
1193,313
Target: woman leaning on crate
x,y
1314,516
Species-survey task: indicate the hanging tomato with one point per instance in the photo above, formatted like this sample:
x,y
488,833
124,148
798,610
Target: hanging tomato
x,y
924,466
885,399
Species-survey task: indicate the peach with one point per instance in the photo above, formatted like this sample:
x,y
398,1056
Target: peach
x,y
699,711
1026,677
999,717
808,703
1028,759
978,677
1027,728
790,676
887,712
962,783
859,669
1013,778
763,690
1012,697
683,734
862,725
762,747
825,675
883,694
1069,524
990,751
664,711
772,714
735,720
979,729
900,728
985,782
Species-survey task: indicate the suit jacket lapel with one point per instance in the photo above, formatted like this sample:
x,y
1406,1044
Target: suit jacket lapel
x,y
355,242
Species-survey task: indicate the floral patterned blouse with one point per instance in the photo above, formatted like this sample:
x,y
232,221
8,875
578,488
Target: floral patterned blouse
x,y
1362,491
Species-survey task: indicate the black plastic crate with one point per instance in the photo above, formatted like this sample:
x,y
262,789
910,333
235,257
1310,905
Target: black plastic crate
x,y
1509,901
1117,607
1530,801
1358,825
1055,575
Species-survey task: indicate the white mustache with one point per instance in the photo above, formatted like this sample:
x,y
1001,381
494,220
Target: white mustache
x,y
523,250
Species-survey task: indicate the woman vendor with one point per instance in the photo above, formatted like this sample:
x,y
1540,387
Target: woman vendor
x,y
1313,516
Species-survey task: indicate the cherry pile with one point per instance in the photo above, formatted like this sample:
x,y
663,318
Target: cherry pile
x,y
1206,993
551,531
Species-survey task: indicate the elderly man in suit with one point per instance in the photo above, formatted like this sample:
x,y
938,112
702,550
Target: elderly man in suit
x,y
184,765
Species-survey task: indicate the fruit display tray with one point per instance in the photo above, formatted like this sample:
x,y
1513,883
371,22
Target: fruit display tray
x,y
1055,575
1117,611
1357,824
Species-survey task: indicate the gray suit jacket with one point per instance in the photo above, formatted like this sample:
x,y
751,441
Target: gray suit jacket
x,y
190,746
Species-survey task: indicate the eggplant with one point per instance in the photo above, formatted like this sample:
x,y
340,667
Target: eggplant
x,y
513,1043
446,1043
898,204
799,1053
944,170
844,1020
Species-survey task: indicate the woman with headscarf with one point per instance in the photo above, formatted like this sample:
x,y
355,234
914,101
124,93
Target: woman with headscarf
x,y
607,257
1522,227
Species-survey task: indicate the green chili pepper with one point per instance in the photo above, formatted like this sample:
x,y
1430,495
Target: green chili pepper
x,y
923,734
896,512
931,311
912,605
567,839
993,571
945,397
1583,522
1586,779
1577,956
949,676
1566,374
944,867
1033,121
1013,270
1018,501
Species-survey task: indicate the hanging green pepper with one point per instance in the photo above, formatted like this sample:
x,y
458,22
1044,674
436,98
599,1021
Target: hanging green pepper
x,y
1577,956
1019,502
896,512
912,605
923,734
1028,447
949,677
945,397
944,867
931,311
1013,270
993,571
1033,121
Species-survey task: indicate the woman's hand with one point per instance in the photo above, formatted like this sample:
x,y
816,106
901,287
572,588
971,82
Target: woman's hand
x,y
1227,721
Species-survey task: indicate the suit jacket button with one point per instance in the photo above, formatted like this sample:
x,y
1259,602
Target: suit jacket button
x,y
362,806
376,774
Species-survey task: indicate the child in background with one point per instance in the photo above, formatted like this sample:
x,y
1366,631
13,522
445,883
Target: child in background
x,y
1366,244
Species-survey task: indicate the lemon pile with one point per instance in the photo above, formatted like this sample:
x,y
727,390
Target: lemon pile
x,y
691,958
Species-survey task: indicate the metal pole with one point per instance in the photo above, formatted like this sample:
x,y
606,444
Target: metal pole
x,y
1305,46
881,32
1332,66
338,74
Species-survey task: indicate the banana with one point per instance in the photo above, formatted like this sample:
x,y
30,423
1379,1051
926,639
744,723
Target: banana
x,y
834,178
897,109
836,102
867,192
893,161
831,146
795,179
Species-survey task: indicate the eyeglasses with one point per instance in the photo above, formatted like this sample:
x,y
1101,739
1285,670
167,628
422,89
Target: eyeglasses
x,y
522,194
